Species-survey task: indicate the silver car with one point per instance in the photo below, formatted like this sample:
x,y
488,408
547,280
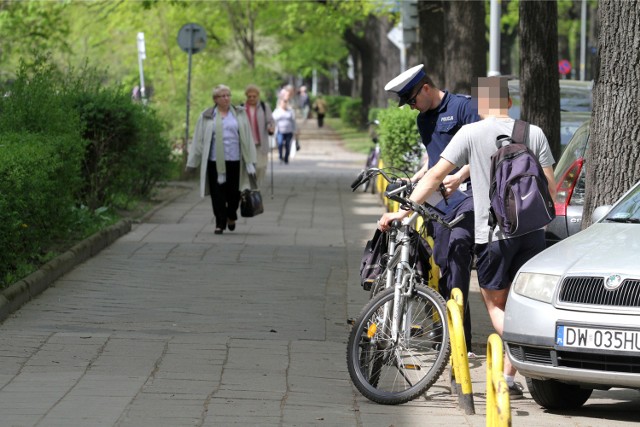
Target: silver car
x,y
572,320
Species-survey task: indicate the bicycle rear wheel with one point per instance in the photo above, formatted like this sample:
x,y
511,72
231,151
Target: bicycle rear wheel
x,y
389,372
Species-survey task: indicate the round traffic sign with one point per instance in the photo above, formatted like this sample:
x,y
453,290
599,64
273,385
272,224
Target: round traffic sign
x,y
564,67
192,38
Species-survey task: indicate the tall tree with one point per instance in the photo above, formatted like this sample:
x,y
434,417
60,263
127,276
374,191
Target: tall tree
x,y
432,40
377,60
539,86
614,142
465,46
453,42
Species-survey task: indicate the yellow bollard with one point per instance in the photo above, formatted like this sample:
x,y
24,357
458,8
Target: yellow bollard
x,y
498,404
459,357
456,295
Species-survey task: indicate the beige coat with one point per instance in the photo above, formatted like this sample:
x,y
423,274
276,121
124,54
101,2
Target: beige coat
x,y
200,146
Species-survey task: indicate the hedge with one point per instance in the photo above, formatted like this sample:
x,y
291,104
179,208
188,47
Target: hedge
x,y
400,144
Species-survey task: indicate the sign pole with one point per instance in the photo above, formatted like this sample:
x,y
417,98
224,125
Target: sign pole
x,y
186,137
142,55
192,38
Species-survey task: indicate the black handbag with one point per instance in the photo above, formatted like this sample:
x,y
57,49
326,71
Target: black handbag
x,y
251,200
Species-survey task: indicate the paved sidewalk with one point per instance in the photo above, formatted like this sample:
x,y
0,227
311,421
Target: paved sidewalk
x,y
174,326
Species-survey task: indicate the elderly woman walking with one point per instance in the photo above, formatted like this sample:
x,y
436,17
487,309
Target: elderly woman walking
x,y
262,125
223,147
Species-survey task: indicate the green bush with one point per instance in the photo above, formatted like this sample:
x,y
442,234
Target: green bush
x,y
351,113
334,104
126,154
38,186
400,144
70,149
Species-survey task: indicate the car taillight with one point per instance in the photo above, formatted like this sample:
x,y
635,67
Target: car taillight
x,y
565,187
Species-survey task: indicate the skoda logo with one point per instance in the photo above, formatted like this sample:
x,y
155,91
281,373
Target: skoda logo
x,y
613,282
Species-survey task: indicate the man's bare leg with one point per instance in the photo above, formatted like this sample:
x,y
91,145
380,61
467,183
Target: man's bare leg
x,y
495,302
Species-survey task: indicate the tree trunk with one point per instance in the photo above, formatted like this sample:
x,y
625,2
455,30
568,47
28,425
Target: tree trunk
x,y
466,45
612,159
539,86
431,40
377,62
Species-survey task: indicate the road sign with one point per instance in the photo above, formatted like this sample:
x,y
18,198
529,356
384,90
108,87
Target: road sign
x,y
564,67
192,38
395,36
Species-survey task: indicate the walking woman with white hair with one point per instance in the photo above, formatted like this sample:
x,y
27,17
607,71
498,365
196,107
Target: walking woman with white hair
x,y
223,147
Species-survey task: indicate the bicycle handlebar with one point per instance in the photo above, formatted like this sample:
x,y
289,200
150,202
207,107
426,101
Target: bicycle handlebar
x,y
426,210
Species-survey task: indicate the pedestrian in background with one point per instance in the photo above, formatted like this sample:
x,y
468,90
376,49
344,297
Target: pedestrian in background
x,y
442,114
223,147
304,102
286,93
498,257
320,108
262,126
285,119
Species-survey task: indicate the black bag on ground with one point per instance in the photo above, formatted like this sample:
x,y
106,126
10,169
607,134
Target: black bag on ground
x,y
251,200
375,257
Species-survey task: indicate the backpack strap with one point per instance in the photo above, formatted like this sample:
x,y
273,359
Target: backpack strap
x,y
520,134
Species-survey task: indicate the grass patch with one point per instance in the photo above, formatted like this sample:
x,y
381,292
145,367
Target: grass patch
x,y
356,140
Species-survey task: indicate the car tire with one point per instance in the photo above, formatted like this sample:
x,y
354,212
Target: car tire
x,y
552,394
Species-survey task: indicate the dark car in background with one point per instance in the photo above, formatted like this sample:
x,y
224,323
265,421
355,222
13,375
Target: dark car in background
x,y
575,105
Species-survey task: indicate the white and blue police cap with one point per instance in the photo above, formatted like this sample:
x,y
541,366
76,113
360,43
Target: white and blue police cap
x,y
403,84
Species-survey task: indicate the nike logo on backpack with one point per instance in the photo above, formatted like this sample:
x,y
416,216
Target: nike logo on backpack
x,y
526,195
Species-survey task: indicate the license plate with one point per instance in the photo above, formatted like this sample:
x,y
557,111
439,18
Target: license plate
x,y
598,339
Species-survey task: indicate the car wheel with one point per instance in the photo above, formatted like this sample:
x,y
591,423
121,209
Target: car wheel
x,y
552,394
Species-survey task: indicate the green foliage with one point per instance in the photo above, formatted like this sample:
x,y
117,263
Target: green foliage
x,y
373,114
334,104
70,148
39,181
126,154
36,101
400,148
351,112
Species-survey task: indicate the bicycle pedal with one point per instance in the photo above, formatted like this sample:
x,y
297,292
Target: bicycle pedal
x,y
351,321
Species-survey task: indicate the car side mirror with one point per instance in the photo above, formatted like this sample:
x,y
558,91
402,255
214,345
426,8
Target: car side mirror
x,y
600,213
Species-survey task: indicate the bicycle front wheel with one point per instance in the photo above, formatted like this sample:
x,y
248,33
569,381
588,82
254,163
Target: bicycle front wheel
x,y
389,371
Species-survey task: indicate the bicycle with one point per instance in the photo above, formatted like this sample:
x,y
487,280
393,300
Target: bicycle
x,y
399,344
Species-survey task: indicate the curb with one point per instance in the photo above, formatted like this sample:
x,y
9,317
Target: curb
x,y
19,293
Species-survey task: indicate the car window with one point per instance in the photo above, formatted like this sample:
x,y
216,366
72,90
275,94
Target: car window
x,y
574,150
628,208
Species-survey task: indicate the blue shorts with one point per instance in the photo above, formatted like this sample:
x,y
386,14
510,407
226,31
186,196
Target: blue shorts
x,y
497,263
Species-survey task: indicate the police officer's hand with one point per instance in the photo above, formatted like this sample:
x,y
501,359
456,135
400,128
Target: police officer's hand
x,y
451,183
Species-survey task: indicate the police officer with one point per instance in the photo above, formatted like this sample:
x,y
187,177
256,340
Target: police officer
x,y
442,114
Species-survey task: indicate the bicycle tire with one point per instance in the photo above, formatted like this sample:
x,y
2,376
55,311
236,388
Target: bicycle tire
x,y
392,373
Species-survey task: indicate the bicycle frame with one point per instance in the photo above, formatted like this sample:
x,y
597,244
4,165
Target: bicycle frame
x,y
399,273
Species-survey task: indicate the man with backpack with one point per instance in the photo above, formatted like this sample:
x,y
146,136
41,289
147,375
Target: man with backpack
x,y
499,256
442,114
